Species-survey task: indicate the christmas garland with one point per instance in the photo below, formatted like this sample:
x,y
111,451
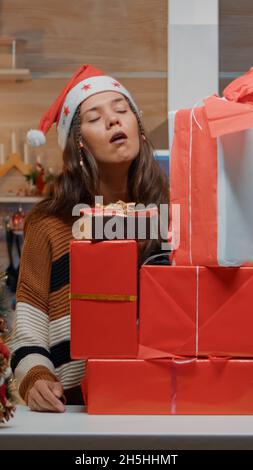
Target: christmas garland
x,y
7,407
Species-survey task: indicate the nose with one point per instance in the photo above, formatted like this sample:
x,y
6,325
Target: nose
x,y
112,119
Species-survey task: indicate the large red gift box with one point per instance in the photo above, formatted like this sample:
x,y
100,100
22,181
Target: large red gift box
x,y
211,172
217,386
195,311
103,286
129,386
164,386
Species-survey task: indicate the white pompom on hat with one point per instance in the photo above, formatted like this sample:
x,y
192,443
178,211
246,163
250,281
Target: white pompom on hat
x,y
85,82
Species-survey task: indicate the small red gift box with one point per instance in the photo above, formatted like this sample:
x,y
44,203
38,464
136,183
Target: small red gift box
x,y
118,221
103,286
195,311
164,386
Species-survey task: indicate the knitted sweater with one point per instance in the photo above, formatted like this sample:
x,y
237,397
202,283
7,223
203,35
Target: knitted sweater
x,y
41,337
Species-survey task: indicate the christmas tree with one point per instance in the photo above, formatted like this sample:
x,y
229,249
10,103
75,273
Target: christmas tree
x,y
6,399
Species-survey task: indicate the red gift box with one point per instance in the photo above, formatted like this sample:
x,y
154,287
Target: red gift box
x,y
214,387
118,221
103,286
211,172
195,311
164,386
127,386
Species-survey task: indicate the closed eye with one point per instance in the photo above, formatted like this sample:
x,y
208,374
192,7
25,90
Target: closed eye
x,y
93,120
123,111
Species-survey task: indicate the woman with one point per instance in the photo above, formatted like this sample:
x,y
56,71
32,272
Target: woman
x,y
105,152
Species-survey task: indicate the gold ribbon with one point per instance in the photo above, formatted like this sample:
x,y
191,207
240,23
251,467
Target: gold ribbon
x,y
119,207
114,297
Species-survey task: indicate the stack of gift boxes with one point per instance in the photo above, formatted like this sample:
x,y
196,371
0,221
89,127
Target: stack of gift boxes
x,y
178,339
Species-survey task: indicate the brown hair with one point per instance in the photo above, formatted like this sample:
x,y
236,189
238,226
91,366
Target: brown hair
x,y
79,183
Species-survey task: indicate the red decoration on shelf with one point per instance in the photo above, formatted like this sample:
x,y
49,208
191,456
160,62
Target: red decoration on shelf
x,y
40,178
17,220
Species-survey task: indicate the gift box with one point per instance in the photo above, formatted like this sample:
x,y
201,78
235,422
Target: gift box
x,y
213,387
119,221
103,293
165,386
127,386
211,173
195,311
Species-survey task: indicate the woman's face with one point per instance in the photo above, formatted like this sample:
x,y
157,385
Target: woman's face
x,y
102,116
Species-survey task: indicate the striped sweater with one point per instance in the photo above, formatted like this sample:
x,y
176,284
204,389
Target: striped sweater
x,y
41,337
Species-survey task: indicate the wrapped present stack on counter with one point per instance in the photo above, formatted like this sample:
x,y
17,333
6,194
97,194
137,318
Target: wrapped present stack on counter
x,y
191,343
195,353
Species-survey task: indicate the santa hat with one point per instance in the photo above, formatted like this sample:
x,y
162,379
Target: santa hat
x,y
85,82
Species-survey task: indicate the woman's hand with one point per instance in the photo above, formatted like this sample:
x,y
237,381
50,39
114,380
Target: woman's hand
x,y
45,395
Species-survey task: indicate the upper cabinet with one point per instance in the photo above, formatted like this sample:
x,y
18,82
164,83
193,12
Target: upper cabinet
x,y
235,39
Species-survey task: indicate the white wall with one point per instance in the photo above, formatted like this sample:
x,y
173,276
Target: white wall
x,y
193,60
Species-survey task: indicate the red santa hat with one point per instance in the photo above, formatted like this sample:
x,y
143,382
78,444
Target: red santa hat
x,y
85,82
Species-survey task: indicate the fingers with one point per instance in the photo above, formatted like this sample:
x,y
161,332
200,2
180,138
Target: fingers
x,y
51,392
43,396
36,402
56,388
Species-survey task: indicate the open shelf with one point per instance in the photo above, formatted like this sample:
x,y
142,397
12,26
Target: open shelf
x,y
15,74
20,199
10,69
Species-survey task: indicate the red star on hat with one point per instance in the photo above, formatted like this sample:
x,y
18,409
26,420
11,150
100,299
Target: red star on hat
x,y
86,87
66,110
116,84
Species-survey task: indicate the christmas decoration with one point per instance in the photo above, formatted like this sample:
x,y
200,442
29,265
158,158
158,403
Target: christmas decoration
x,y
17,220
38,180
85,82
7,407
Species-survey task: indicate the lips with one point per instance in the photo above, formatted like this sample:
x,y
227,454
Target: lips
x,y
118,136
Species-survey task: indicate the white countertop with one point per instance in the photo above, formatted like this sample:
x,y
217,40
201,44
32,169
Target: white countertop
x,y
75,429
